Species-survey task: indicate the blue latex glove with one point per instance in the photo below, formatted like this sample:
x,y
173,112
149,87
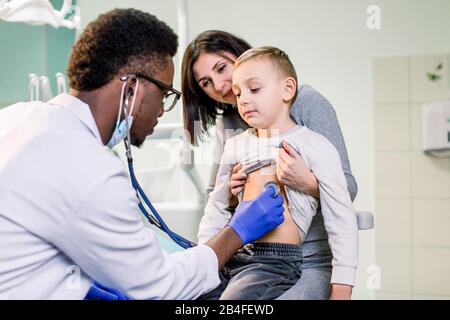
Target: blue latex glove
x,y
253,219
99,292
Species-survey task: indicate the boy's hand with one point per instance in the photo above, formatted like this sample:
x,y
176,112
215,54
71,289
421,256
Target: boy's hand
x,y
340,292
237,180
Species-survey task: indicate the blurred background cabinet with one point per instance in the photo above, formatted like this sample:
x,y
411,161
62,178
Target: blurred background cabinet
x,y
26,49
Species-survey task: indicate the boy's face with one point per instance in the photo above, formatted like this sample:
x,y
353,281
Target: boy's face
x,y
258,87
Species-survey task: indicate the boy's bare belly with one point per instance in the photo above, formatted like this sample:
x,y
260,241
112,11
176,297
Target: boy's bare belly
x,y
287,232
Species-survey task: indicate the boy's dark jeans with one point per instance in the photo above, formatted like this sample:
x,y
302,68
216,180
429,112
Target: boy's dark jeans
x,y
259,271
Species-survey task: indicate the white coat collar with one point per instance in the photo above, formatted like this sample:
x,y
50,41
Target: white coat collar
x,y
80,109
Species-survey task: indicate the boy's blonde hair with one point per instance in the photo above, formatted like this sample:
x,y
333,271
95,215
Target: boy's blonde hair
x,y
277,56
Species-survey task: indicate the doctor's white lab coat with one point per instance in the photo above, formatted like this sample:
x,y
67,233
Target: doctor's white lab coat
x,y
68,214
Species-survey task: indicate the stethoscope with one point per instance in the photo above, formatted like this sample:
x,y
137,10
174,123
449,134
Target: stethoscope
x,y
153,217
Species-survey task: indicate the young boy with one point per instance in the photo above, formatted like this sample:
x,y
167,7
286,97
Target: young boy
x,y
265,84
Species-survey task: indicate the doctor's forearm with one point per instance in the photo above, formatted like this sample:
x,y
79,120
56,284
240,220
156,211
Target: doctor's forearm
x,y
232,244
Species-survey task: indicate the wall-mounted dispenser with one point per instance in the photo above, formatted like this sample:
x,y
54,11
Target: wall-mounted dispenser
x,y
436,128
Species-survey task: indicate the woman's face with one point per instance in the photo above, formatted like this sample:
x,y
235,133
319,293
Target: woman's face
x,y
213,74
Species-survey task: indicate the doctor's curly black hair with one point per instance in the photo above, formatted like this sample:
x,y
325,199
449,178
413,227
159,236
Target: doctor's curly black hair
x,y
121,40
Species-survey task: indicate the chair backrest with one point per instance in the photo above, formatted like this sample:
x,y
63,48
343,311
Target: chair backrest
x,y
365,220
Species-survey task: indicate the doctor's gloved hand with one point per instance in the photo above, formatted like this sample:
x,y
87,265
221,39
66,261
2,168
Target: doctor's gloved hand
x,y
252,219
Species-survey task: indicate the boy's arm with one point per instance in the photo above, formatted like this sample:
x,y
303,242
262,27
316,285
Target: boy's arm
x,y
215,215
337,210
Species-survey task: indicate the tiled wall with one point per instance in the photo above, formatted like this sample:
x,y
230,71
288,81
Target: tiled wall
x,y
412,189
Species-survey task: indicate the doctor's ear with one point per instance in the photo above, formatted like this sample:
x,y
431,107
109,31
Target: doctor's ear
x,y
130,89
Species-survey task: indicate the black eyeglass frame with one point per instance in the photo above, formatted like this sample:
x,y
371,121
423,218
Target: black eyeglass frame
x,y
161,85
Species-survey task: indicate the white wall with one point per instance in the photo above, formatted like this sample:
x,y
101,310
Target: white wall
x,y
332,49
412,189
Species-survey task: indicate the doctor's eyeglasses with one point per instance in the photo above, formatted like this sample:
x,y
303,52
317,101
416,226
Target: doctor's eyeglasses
x,y
170,98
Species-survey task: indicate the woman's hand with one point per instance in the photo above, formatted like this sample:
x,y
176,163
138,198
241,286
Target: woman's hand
x,y
237,180
293,172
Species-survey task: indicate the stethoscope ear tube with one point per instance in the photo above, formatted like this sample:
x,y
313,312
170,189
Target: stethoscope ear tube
x,y
154,219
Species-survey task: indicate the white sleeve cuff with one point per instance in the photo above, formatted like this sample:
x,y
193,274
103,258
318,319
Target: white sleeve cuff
x,y
343,275
212,264
202,240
